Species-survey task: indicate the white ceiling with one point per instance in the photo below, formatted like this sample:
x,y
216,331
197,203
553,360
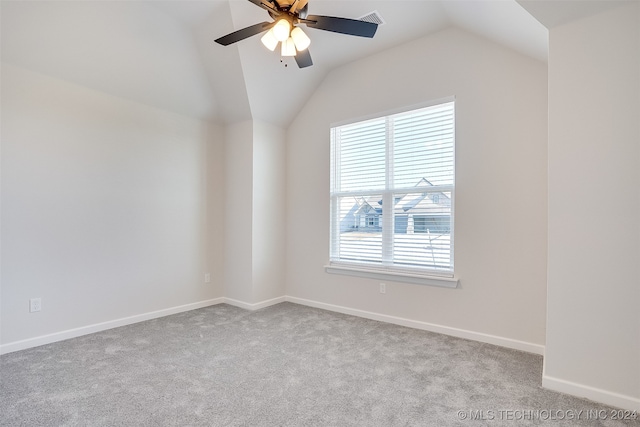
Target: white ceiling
x,y
162,52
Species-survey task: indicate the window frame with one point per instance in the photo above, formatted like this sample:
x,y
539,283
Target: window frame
x,y
385,270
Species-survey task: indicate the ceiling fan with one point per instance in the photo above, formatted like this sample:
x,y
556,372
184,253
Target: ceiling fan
x,y
287,15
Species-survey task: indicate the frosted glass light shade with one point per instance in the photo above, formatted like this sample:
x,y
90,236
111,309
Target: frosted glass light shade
x,y
281,30
288,47
301,40
269,40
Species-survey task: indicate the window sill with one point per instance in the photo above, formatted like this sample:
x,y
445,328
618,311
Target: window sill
x,y
393,276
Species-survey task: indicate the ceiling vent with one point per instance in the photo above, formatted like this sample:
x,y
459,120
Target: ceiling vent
x,y
373,17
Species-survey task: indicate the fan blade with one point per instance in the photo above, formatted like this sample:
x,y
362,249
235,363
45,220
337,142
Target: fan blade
x,y
244,33
353,27
303,59
266,6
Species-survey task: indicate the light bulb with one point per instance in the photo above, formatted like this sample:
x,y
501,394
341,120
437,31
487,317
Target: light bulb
x,y
288,47
301,40
281,30
269,40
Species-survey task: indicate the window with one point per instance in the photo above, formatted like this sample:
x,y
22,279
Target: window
x,y
392,187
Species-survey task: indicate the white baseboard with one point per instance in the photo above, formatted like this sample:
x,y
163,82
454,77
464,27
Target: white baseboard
x,y
460,333
256,306
98,327
591,393
416,324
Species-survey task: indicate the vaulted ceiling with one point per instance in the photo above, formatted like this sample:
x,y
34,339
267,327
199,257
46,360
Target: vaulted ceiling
x,y
162,53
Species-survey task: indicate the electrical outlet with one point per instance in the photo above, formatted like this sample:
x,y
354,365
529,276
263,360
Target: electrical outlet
x,y
207,278
383,288
35,304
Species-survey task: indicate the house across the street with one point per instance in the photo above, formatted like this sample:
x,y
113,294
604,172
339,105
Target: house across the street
x,y
423,211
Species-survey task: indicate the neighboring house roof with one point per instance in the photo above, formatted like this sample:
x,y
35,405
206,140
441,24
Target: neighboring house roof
x,y
424,204
365,207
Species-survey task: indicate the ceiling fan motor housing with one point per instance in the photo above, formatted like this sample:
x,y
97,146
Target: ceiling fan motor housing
x,y
285,5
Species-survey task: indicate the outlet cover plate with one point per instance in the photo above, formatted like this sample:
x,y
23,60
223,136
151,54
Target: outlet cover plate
x,y
35,304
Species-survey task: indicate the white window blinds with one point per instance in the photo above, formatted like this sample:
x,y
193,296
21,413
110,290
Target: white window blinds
x,y
392,187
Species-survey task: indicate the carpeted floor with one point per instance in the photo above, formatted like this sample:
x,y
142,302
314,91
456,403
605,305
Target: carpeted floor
x,y
286,365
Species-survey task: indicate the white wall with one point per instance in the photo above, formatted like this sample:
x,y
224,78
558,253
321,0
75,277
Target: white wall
x,y
105,207
593,333
254,221
501,196
238,203
268,248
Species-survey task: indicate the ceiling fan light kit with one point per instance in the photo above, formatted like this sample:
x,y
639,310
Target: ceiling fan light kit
x,y
288,48
301,40
269,40
294,42
281,30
